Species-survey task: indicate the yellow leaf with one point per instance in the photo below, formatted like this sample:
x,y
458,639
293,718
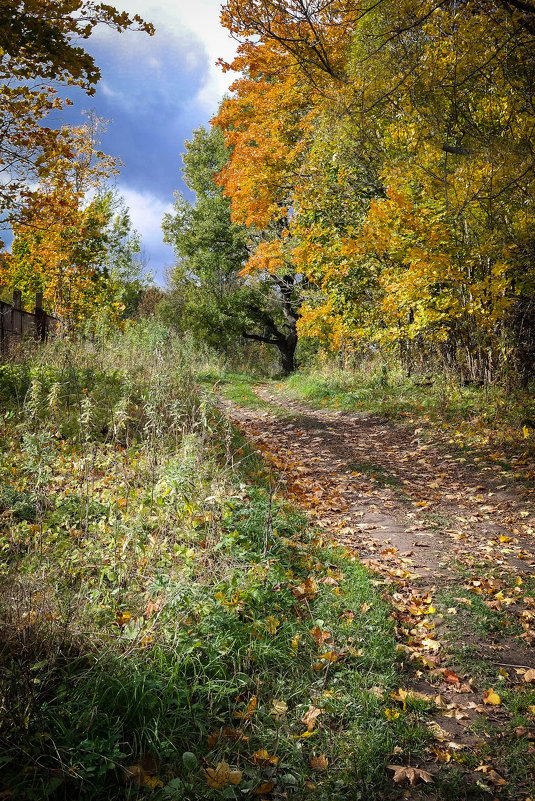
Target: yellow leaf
x,y
330,656
248,714
152,781
221,775
262,757
491,697
272,624
295,643
235,777
400,695
391,714
278,708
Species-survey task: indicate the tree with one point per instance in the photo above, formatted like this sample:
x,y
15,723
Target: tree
x,y
71,244
218,300
407,179
40,51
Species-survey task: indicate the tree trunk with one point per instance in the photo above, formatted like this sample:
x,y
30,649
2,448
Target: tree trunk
x,y
287,348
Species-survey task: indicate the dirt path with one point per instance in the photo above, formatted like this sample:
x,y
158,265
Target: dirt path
x,y
374,484
443,535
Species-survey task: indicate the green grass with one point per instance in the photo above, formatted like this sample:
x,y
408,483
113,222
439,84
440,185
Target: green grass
x,y
157,598
239,388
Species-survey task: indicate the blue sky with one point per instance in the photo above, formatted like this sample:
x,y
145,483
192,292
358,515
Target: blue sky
x,y
155,91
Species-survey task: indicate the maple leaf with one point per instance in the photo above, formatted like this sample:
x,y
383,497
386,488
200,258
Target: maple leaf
x,y
278,708
320,763
222,775
320,637
262,757
407,775
492,698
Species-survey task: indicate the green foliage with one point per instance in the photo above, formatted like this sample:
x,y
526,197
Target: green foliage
x,y
209,294
148,594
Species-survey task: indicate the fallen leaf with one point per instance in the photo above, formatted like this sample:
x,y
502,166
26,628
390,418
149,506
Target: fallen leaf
x,y
320,637
152,782
266,787
278,708
529,675
309,718
407,775
248,714
319,762
330,656
262,757
222,775
491,697
400,695
489,771
213,738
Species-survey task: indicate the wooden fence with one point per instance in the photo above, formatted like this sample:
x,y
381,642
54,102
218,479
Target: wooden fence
x,y
16,323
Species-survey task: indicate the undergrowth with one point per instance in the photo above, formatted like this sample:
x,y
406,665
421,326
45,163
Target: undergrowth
x,y
170,626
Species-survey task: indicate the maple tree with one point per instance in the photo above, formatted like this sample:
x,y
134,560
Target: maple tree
x,y
40,47
61,241
406,170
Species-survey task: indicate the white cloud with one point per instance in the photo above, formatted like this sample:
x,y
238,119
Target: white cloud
x,y
146,214
184,19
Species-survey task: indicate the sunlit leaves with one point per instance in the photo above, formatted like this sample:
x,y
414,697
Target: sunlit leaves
x,y
40,49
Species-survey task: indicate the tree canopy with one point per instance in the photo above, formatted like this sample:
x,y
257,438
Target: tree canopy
x,y
218,300
388,149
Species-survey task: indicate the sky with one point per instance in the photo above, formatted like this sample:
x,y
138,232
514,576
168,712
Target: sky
x,y
154,92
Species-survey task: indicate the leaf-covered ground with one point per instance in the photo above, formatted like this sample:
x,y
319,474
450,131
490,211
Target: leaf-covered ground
x,y
453,548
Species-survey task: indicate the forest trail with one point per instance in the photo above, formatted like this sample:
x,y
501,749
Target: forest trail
x,y
377,486
445,536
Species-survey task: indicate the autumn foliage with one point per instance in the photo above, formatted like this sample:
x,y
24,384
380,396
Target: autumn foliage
x,y
386,150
